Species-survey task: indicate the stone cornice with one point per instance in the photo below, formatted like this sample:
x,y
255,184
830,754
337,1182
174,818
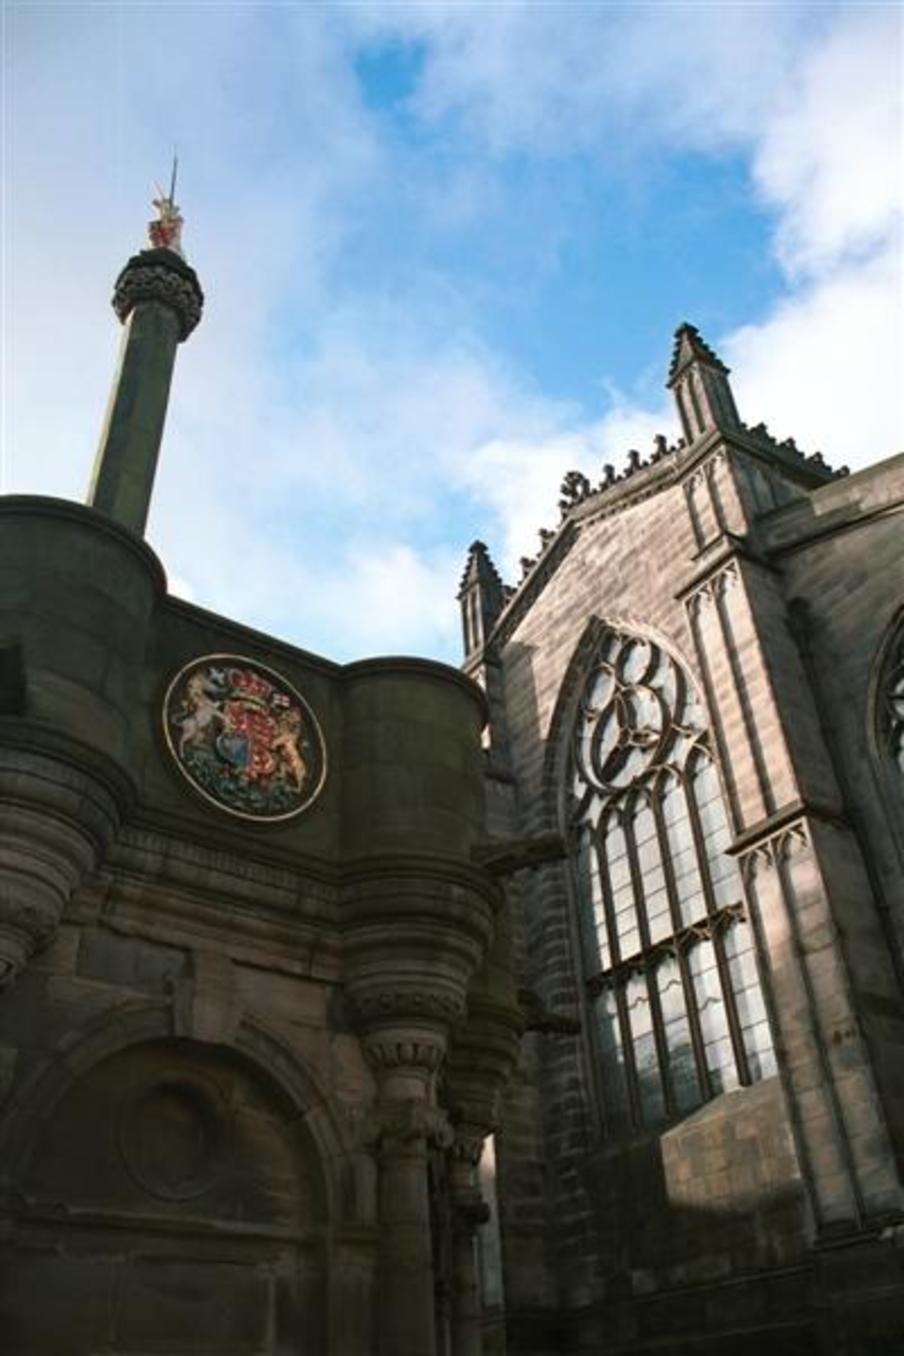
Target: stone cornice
x,y
35,736
414,869
253,849
847,518
724,552
308,948
504,856
782,819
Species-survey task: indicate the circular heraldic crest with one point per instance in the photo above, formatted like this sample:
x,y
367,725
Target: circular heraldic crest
x,y
244,738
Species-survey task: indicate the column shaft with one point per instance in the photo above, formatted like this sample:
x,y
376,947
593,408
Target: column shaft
x,y
406,1281
126,462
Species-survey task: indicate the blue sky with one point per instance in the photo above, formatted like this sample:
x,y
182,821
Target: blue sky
x,y
444,249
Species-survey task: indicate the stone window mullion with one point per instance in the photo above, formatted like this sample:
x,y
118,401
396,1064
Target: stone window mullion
x,y
714,912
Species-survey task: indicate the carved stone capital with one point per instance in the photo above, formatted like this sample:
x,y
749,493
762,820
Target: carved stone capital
x,y
393,1125
467,1146
160,275
395,1050
482,1055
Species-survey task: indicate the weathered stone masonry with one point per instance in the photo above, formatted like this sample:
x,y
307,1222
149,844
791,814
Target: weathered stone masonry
x,y
246,1066
770,1213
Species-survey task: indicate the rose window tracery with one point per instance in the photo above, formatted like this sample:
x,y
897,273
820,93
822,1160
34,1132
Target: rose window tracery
x,y
670,968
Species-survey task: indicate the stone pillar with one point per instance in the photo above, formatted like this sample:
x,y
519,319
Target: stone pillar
x,y
406,1124
158,299
469,1211
482,1056
418,915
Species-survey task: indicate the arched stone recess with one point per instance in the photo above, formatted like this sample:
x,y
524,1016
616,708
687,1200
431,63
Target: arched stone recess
x,y
157,1185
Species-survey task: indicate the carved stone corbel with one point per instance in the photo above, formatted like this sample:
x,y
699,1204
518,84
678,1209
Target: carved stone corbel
x,y
58,821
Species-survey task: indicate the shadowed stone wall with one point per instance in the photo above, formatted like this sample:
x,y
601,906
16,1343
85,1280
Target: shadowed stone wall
x,y
223,1043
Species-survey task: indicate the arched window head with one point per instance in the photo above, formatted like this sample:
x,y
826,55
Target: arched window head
x,y
670,969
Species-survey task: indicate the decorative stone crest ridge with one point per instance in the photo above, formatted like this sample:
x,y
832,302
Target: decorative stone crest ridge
x,y
788,450
576,487
243,738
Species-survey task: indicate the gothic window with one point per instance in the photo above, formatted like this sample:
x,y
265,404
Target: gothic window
x,y
670,971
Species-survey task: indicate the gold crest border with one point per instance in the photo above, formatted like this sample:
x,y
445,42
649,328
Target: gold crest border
x,y
303,703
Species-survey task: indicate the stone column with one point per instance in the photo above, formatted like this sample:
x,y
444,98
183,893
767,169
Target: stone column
x,y
158,299
469,1211
406,1123
418,917
481,1058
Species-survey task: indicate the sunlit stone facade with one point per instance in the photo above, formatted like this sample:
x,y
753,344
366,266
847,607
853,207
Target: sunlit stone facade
x,y
698,684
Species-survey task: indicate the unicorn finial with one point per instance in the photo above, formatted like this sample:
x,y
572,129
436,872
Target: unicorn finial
x,y
166,232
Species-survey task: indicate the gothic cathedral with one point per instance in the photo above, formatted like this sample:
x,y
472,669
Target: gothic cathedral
x,y
552,1006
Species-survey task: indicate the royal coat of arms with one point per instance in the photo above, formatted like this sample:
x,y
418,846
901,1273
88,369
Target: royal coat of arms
x,y
244,737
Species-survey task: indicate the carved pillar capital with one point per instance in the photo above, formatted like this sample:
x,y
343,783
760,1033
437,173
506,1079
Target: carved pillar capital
x,y
160,275
405,1058
467,1144
393,1126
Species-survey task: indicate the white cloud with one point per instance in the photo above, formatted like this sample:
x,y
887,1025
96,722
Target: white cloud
x,y
831,158
280,459
826,367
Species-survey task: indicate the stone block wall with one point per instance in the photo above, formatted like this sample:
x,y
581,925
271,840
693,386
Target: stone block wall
x,y
223,1044
713,1230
